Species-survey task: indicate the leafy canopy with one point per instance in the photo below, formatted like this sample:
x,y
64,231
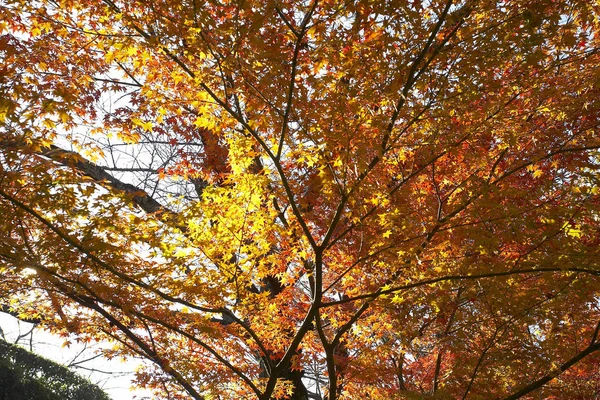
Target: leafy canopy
x,y
309,199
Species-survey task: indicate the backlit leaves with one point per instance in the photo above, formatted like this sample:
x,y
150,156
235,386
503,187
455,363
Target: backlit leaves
x,y
376,199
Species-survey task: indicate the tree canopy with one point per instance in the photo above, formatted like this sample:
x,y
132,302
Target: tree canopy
x,y
309,199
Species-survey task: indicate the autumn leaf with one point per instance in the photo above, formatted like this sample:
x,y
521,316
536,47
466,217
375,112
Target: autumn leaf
x,y
309,199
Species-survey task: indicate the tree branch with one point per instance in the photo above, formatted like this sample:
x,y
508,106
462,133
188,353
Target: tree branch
x,y
448,278
595,346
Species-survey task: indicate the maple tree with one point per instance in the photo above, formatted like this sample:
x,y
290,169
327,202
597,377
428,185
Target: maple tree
x,y
309,199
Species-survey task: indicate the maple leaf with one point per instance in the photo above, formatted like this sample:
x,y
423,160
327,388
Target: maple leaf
x,y
300,199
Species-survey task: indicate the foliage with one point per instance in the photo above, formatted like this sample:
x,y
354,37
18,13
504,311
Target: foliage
x,y
25,376
309,199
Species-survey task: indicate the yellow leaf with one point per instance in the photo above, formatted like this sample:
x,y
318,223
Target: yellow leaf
x,y
576,233
109,56
177,77
64,117
181,253
202,122
147,126
48,123
397,299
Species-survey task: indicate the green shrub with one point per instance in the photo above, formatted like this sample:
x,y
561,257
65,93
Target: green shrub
x,y
27,376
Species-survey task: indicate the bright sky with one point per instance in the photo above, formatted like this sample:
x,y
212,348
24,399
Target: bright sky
x,y
113,376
